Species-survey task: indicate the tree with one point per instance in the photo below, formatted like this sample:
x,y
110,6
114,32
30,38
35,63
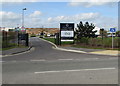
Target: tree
x,y
104,33
85,30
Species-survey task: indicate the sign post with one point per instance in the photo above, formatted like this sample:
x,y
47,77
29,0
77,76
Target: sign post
x,y
113,30
66,32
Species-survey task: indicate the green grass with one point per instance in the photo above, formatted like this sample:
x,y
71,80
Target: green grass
x,y
50,39
8,48
64,43
53,41
15,46
107,40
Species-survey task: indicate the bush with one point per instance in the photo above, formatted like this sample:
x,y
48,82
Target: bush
x,y
98,42
84,40
95,42
107,42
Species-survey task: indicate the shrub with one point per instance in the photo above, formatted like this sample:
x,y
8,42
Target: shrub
x,y
84,40
95,42
98,42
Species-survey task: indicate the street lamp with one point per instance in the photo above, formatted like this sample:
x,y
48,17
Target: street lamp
x,y
102,32
23,17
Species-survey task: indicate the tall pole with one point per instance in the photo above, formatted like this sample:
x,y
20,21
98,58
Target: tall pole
x,y
112,41
23,17
102,29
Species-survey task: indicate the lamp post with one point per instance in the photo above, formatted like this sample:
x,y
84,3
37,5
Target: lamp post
x,y
23,17
102,32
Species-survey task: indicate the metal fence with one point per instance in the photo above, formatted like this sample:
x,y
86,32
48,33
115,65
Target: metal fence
x,y
12,38
9,39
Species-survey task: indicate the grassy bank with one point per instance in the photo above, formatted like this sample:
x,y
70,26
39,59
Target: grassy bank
x,y
50,39
15,46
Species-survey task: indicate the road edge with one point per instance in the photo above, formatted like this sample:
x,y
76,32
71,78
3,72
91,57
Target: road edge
x,y
62,49
20,52
76,51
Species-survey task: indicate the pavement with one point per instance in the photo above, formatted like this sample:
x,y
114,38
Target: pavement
x,y
94,51
15,51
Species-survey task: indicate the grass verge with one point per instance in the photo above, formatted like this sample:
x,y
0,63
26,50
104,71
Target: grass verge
x,y
50,39
16,46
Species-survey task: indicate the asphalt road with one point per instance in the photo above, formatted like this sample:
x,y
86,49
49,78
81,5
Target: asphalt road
x,y
45,65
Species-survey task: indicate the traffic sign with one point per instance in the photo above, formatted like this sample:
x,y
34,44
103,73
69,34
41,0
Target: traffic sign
x,y
112,30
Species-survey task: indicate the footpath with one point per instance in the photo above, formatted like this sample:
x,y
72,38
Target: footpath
x,y
15,51
93,51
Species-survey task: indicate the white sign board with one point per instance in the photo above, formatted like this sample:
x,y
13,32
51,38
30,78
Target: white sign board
x,y
67,33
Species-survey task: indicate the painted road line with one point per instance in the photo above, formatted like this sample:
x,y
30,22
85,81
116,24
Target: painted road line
x,y
87,59
38,60
66,59
78,70
13,61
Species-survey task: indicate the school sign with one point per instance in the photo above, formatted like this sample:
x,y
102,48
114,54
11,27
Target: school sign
x,y
66,32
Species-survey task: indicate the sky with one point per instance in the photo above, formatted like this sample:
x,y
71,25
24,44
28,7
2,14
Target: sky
x,y
50,14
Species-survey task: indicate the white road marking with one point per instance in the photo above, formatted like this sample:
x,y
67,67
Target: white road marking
x,y
66,59
74,70
86,59
37,60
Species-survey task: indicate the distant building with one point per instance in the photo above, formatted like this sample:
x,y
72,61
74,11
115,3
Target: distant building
x,y
98,31
110,34
38,31
5,29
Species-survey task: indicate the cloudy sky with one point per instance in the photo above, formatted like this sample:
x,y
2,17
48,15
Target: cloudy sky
x,y
50,14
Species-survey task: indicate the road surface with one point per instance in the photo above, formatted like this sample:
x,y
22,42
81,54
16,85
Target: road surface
x,y
45,65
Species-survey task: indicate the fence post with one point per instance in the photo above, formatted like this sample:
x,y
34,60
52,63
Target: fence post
x,y
27,39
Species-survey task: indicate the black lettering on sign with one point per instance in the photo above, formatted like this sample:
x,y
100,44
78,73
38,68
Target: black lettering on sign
x,y
67,33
